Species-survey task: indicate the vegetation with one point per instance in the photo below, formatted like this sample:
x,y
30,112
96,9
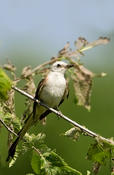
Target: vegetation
x,y
45,160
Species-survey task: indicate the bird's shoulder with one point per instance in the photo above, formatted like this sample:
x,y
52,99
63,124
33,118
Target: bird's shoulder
x,y
37,94
41,85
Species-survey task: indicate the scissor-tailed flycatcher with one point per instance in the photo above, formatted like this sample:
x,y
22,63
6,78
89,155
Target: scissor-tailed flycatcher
x,y
51,90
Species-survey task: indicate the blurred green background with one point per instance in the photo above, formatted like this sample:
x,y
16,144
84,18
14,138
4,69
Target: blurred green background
x,y
31,32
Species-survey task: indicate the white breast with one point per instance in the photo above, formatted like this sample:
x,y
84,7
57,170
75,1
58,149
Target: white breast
x,y
54,90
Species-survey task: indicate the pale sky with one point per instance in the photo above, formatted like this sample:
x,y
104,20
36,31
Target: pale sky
x,y
38,24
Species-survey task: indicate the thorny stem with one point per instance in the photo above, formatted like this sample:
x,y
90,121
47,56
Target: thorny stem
x,y
83,129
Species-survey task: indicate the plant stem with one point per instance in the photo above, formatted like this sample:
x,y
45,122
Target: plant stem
x,y
10,130
85,130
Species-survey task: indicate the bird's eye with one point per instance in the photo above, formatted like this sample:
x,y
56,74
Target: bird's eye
x,y
58,65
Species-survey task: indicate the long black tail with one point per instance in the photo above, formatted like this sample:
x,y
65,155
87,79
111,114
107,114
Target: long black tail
x,y
27,125
21,133
12,149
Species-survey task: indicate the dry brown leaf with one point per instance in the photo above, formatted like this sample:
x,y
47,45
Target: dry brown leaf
x,y
26,72
80,43
65,50
99,41
83,85
9,67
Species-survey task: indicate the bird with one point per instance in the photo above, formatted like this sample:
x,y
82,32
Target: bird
x,y
52,90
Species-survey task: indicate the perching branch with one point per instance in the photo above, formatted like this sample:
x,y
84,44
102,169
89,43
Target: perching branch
x,y
82,128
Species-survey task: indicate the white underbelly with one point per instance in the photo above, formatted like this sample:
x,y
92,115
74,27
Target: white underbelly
x,y
54,90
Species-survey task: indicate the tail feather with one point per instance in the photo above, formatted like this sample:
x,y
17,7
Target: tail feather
x,y
12,149
21,133
28,123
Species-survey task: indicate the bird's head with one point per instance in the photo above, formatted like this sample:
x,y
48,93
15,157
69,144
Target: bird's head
x,y
60,66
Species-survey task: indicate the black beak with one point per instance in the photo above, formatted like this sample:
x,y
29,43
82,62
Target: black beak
x,y
69,66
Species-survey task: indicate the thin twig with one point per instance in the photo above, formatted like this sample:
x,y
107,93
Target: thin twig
x,y
85,130
37,150
10,130
45,64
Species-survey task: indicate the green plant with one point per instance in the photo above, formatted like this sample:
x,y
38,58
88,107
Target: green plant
x,y
44,160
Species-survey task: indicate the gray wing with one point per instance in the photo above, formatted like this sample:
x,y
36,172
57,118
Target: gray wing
x,y
66,94
37,96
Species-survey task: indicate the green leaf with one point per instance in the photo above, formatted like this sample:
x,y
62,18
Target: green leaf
x,y
9,118
5,84
3,145
53,164
88,172
11,121
35,162
99,152
33,139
